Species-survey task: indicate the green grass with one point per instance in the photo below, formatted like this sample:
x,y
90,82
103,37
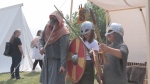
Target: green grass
x,y
28,78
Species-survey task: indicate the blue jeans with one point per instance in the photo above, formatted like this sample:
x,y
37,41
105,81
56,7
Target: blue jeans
x,y
15,63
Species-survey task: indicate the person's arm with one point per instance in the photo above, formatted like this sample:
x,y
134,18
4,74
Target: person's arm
x,y
19,43
20,48
64,46
42,43
95,47
113,51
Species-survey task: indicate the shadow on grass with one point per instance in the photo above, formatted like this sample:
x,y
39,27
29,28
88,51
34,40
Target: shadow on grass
x,y
32,74
10,81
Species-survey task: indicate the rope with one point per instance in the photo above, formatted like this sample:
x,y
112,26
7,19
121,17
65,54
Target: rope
x,y
62,4
143,16
127,3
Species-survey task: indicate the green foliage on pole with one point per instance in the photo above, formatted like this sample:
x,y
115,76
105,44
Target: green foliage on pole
x,y
100,19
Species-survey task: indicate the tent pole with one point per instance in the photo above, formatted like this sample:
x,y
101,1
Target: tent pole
x,y
148,36
107,18
71,11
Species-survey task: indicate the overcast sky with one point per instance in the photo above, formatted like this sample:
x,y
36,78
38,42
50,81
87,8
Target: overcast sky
x,y
37,12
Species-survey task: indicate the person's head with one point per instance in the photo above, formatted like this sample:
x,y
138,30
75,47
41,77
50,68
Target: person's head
x,y
87,30
39,33
16,33
114,33
55,18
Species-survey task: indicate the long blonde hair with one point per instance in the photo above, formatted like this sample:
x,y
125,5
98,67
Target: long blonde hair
x,y
14,35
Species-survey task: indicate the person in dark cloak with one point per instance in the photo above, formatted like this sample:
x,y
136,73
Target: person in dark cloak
x,y
56,51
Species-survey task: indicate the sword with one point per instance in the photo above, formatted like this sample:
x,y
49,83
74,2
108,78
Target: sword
x,y
49,37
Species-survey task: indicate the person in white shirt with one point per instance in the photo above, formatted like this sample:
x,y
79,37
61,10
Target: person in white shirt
x,y
88,33
36,53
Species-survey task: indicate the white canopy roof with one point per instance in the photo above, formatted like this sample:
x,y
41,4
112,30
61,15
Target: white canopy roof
x,y
111,5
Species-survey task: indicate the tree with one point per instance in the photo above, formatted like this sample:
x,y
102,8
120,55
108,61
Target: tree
x,y
100,19
74,25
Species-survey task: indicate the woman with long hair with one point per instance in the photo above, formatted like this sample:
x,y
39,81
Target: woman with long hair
x,y
36,53
16,54
88,33
117,54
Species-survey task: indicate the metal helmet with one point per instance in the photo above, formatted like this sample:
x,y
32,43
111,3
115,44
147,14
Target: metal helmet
x,y
114,27
86,27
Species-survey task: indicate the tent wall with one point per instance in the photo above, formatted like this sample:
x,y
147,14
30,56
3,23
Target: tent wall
x,y
12,18
135,33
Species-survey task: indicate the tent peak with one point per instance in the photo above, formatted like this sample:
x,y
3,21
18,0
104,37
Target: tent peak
x,y
19,5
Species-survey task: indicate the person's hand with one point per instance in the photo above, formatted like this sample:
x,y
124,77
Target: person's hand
x,y
104,47
23,56
62,70
90,52
41,51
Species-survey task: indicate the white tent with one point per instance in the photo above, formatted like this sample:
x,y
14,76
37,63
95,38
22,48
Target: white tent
x,y
12,18
131,14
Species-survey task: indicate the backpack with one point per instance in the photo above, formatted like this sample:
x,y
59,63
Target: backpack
x,y
8,48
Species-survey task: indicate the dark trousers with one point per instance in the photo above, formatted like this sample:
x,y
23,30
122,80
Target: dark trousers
x,y
15,66
88,75
35,63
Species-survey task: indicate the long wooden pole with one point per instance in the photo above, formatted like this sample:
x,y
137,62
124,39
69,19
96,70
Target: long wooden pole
x,y
107,18
71,11
98,66
148,36
98,35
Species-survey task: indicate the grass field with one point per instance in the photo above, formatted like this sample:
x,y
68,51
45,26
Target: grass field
x,y
28,78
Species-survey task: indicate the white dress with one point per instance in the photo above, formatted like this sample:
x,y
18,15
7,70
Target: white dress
x,y
36,52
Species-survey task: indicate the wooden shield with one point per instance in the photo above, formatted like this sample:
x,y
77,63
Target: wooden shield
x,y
75,72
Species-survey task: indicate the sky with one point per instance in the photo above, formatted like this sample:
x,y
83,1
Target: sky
x,y
37,12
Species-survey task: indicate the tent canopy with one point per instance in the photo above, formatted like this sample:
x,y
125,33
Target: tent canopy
x,y
12,18
114,5
131,14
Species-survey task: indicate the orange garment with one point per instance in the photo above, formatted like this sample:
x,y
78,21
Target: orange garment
x,y
59,31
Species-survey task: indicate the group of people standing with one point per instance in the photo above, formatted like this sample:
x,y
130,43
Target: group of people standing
x,y
57,47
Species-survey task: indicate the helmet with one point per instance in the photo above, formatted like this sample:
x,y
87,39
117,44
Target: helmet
x,y
86,27
114,27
